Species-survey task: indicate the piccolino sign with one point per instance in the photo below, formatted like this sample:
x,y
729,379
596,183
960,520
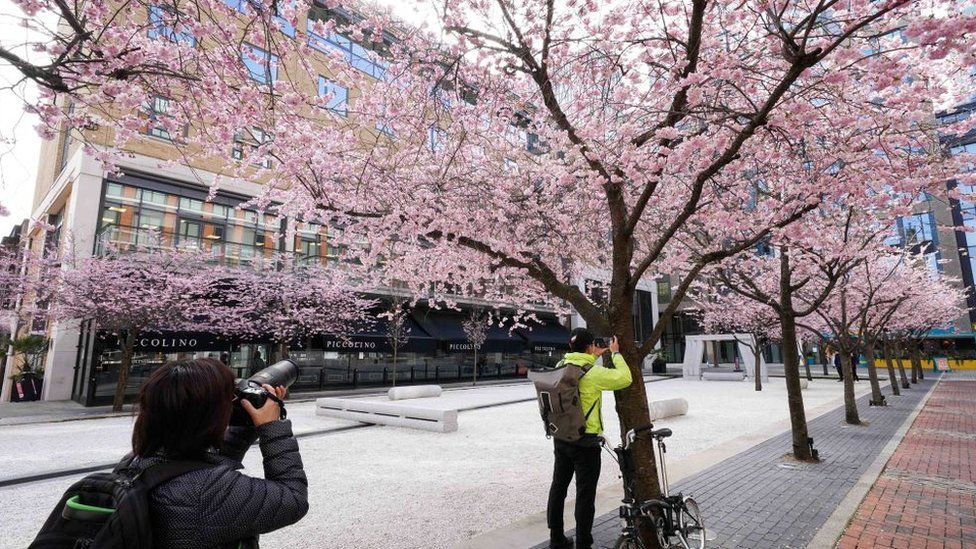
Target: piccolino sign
x,y
167,343
330,344
462,347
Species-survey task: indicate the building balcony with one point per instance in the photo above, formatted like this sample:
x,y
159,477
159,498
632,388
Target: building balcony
x,y
122,239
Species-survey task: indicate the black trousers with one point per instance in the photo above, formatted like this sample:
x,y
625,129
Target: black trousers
x,y
584,462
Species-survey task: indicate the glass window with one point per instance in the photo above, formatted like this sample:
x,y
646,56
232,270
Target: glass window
x,y
191,204
384,129
161,25
338,96
153,197
156,110
251,138
436,139
355,54
150,219
262,66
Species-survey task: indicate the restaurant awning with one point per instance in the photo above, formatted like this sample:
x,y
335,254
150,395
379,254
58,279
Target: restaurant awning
x,y
448,329
375,337
547,337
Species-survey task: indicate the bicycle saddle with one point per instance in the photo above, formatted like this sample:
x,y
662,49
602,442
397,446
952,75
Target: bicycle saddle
x,y
661,433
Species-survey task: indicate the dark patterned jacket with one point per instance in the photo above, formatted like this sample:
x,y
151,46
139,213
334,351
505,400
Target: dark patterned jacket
x,y
219,506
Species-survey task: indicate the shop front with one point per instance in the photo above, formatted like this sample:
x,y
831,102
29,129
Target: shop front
x,y
97,378
434,350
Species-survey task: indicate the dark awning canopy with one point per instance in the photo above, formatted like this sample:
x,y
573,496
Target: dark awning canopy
x,y
547,337
375,337
447,328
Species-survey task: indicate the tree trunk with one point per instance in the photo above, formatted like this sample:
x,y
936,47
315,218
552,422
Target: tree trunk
x,y
877,399
757,370
128,350
474,380
806,365
901,368
916,361
891,370
714,353
394,364
791,364
921,369
794,396
850,403
631,405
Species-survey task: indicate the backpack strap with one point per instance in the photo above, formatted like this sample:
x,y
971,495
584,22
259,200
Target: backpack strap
x,y
166,470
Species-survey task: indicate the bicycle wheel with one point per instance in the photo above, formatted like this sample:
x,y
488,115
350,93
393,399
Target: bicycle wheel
x,y
692,527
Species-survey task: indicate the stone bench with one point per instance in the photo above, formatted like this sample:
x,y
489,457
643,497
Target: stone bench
x,y
414,391
723,376
388,413
660,409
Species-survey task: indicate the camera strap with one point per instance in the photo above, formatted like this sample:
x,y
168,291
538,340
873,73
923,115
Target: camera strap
x,y
281,404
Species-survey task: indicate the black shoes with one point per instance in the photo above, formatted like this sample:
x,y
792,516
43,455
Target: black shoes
x,y
560,543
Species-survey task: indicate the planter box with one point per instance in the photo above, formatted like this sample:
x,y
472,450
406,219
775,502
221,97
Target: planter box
x,y
27,389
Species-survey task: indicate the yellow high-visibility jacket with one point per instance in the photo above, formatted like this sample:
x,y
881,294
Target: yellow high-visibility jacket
x,y
596,380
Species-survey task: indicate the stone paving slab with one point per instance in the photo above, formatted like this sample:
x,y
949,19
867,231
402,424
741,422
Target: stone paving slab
x,y
926,496
763,498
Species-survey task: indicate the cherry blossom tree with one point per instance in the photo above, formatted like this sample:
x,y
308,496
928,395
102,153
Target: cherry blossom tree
x,y
278,298
152,288
126,295
476,331
510,147
397,329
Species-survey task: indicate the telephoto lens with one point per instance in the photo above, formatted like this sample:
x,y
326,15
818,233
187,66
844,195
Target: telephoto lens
x,y
280,374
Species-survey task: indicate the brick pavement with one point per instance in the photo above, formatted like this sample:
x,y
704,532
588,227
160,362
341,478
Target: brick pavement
x,y
926,496
761,498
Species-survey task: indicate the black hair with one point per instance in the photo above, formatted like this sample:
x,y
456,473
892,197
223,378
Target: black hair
x,y
580,340
184,409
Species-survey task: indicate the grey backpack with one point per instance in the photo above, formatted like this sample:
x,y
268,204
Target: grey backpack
x,y
557,389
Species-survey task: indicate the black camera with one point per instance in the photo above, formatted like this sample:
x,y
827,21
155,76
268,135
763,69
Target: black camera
x,y
280,374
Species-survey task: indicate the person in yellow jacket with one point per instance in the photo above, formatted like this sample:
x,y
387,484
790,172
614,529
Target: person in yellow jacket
x,y
582,457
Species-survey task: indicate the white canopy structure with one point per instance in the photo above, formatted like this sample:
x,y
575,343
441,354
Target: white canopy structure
x,y
695,351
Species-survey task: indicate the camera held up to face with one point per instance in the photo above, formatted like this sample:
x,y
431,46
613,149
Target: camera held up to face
x,y
280,374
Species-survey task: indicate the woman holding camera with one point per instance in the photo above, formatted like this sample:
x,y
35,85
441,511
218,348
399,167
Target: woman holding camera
x,y
184,414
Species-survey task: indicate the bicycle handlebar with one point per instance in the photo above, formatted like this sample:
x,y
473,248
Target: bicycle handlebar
x,y
632,434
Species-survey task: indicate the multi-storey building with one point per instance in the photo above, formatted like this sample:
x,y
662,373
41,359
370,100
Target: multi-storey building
x,y
98,209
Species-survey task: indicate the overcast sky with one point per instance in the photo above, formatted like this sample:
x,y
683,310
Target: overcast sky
x,y
19,143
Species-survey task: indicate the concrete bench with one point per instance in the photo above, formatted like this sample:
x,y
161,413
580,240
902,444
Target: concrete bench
x,y
723,376
414,391
660,409
388,413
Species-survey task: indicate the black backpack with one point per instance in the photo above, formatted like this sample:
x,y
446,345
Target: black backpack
x,y
109,510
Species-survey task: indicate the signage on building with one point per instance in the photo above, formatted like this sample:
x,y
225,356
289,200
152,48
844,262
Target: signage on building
x,y
330,344
175,343
542,348
463,347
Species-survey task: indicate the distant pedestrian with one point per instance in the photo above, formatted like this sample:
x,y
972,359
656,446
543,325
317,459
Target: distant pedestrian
x,y
225,358
257,364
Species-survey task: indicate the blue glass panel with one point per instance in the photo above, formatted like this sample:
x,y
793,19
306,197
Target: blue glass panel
x,y
339,102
